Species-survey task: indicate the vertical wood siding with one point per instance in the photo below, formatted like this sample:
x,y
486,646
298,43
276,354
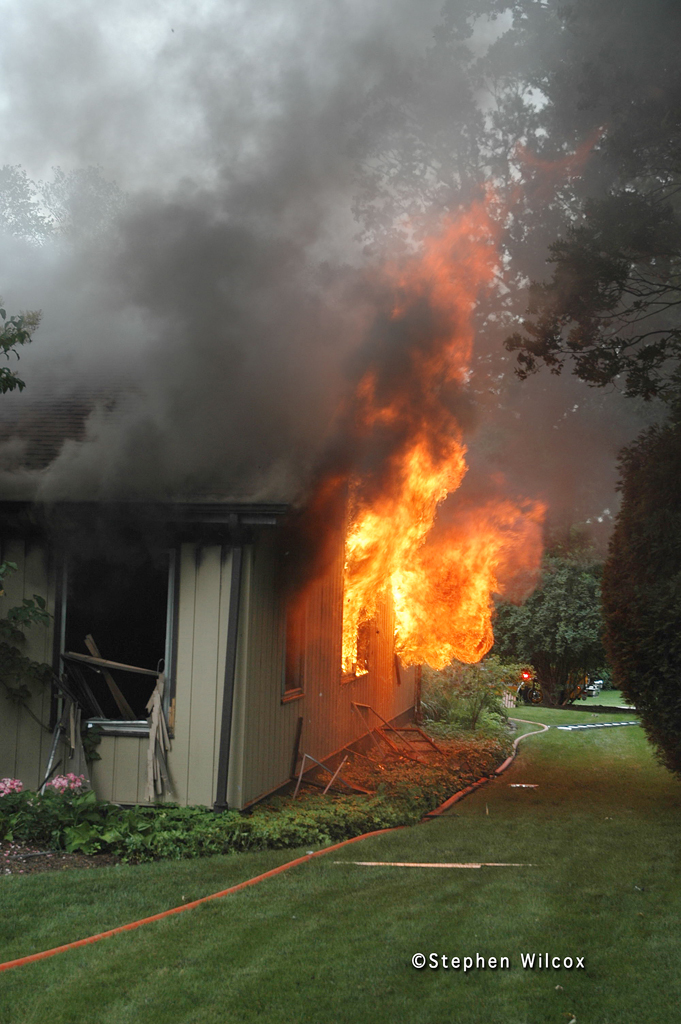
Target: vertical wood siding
x,y
263,728
204,584
267,727
24,745
121,775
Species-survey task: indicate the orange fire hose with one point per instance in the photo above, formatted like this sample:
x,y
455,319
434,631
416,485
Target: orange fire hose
x,y
188,906
260,878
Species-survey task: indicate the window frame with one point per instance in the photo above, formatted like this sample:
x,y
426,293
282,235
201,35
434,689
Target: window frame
x,y
136,727
297,690
368,625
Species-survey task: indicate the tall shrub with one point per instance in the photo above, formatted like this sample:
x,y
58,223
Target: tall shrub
x,y
642,586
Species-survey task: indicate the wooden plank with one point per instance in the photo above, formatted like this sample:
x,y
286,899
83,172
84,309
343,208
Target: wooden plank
x,y
121,703
105,663
240,775
296,747
13,586
9,724
29,737
223,619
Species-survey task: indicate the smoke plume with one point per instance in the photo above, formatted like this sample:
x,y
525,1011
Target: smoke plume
x,y
206,336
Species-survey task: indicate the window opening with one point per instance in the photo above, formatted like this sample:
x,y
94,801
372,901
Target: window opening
x,y
357,663
363,646
296,647
118,609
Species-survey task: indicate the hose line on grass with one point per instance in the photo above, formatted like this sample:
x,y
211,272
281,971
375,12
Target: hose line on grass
x,y
31,958
443,808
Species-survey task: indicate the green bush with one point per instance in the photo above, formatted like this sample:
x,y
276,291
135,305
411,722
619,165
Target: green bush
x,y
461,699
55,820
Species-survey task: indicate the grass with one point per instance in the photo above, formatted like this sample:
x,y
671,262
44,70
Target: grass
x,y
606,698
332,943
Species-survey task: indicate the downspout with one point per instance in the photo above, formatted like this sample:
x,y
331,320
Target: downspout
x,y
230,678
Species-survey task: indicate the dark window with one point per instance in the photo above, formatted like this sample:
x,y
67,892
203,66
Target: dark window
x,y
296,647
119,606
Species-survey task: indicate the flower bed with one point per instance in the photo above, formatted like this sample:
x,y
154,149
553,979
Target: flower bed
x,y
69,819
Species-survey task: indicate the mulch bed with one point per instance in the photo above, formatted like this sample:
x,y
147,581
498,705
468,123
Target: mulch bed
x,y
17,859
460,761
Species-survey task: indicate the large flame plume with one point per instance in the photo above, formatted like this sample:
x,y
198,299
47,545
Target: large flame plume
x,y
409,456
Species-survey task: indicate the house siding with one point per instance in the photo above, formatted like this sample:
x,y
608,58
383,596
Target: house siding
x,y
24,745
268,726
204,586
263,727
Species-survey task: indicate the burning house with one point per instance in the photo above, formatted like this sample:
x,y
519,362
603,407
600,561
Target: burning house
x,y
192,594
214,642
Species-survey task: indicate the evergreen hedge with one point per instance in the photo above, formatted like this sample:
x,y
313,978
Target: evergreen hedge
x,y
642,587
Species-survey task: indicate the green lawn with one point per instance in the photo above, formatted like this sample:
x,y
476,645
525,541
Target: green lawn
x,y
331,943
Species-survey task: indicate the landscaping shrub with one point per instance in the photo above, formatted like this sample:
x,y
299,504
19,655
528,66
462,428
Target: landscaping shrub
x,y
462,699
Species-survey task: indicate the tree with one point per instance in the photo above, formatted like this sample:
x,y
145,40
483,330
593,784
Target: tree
x,y
611,307
15,669
572,115
74,204
558,628
642,586
15,331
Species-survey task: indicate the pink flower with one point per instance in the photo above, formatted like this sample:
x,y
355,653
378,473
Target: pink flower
x,y
62,783
10,786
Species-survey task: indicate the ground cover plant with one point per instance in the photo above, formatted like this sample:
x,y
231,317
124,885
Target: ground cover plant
x,y
333,941
69,818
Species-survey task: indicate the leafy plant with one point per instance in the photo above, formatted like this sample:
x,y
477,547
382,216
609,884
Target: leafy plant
x,y
16,670
466,698
15,331
67,819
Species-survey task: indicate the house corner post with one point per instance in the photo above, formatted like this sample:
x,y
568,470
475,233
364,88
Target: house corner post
x,y
230,674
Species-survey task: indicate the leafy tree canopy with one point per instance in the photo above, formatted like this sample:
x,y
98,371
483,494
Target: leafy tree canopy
x,y
74,204
558,628
572,115
611,307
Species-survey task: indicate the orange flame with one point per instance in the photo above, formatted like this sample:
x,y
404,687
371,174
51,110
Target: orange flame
x,y
440,579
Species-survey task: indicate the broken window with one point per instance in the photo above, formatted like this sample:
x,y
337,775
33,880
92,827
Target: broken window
x,y
359,649
364,631
118,608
